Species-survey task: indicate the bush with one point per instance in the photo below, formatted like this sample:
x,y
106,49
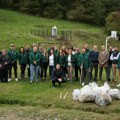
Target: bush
x,y
113,22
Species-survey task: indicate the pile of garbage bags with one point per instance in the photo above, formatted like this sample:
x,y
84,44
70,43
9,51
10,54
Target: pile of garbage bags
x,y
102,96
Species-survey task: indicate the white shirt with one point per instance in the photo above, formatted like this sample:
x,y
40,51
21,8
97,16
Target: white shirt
x,y
51,60
69,60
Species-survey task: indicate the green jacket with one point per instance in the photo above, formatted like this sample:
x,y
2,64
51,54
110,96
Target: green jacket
x,y
35,57
72,60
56,52
23,59
118,62
76,56
13,56
61,60
44,59
84,60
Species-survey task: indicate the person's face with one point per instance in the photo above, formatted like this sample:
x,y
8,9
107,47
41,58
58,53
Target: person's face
x,y
103,48
57,66
4,52
95,48
27,47
60,51
51,51
115,49
77,49
44,51
22,49
35,49
70,51
110,48
83,51
12,47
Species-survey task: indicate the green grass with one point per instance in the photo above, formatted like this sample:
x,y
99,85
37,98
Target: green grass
x,y
22,100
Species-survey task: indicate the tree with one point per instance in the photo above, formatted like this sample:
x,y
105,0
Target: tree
x,y
113,22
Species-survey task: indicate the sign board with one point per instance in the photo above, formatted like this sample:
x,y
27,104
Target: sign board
x,y
54,31
114,34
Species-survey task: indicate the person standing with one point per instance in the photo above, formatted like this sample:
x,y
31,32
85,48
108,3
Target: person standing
x,y
70,63
0,67
84,63
52,61
114,57
103,62
94,63
44,65
22,62
110,64
118,67
5,62
34,64
27,52
13,56
61,60
77,67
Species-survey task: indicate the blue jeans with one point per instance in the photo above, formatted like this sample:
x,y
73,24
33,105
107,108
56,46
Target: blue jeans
x,y
34,71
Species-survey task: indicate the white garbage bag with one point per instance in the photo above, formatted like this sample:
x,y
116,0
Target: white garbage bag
x,y
101,89
93,84
86,94
114,94
103,99
75,94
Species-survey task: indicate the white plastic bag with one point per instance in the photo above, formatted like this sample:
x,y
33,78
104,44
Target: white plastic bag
x,y
102,89
86,94
114,94
75,94
103,99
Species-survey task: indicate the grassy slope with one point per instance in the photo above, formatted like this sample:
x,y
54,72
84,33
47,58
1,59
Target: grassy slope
x,y
23,100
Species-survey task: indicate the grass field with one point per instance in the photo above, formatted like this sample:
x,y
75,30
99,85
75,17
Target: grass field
x,y
40,101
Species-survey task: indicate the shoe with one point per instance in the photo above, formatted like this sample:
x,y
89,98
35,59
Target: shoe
x,y
83,84
9,79
118,85
16,79
31,81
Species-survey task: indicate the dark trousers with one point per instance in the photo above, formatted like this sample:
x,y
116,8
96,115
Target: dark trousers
x,y
100,72
14,65
95,67
77,69
56,80
43,71
22,68
0,75
85,75
50,70
5,75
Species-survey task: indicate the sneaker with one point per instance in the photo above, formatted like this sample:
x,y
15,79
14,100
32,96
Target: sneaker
x,y
83,84
31,81
16,79
118,85
9,79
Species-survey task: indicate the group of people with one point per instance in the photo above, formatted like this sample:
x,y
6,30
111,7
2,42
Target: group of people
x,y
64,63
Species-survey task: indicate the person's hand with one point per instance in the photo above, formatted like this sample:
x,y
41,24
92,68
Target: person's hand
x,y
0,66
12,62
34,62
6,63
60,79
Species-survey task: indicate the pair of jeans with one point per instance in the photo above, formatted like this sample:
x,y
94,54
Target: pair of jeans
x,y
34,72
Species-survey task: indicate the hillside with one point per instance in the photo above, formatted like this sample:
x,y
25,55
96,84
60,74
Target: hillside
x,y
16,28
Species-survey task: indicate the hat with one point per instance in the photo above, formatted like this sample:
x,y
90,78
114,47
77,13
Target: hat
x,y
12,45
